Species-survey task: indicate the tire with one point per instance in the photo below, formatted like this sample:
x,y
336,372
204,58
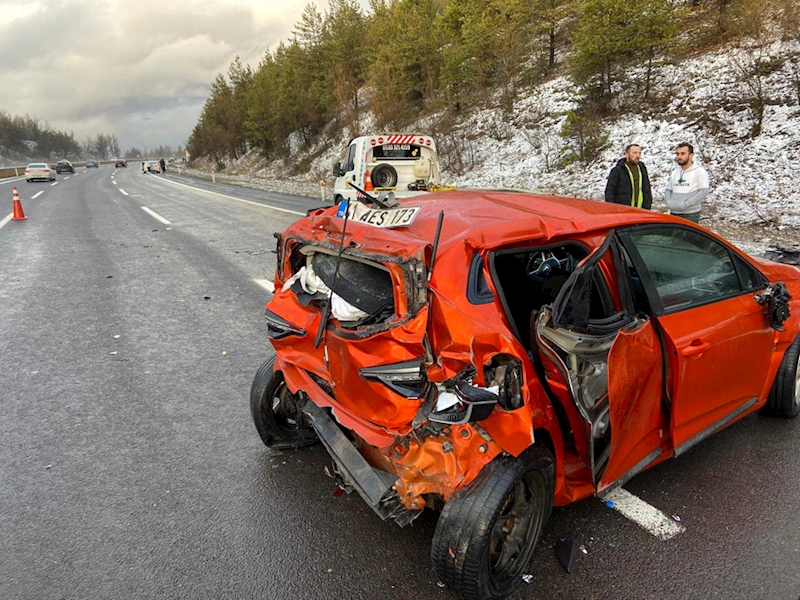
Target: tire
x,y
276,412
471,537
384,176
337,199
784,397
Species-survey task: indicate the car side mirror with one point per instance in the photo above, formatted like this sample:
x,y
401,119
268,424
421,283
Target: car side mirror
x,y
337,170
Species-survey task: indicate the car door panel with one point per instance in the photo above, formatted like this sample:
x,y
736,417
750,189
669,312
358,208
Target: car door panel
x,y
613,370
638,423
718,339
708,385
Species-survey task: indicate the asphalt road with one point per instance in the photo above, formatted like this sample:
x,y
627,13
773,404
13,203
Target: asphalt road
x,y
130,468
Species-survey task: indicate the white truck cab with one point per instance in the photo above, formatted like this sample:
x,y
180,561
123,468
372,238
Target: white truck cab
x,y
406,163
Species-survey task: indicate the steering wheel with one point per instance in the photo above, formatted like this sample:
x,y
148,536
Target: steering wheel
x,y
543,264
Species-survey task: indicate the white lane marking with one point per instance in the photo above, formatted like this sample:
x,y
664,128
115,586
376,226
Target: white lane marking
x,y
12,179
266,284
67,177
115,183
191,187
6,220
76,174
643,514
123,191
154,214
54,183
37,194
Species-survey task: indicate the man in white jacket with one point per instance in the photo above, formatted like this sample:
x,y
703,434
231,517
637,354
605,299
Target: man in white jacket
x,y
687,185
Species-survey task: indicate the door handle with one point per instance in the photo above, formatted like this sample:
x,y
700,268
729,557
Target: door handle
x,y
696,348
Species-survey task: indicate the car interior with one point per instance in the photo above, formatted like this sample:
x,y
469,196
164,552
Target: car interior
x,y
530,279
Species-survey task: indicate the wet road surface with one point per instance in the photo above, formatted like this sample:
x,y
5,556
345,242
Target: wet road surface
x,y
130,467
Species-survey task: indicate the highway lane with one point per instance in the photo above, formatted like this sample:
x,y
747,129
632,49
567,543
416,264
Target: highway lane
x,y
131,468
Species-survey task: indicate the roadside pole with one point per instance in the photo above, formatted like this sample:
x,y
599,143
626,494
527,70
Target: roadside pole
x,y
322,190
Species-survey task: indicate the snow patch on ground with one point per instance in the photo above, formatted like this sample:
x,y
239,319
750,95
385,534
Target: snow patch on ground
x,y
755,181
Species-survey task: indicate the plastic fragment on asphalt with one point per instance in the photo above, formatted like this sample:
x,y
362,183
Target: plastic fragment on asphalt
x,y
169,228
584,550
440,584
206,297
224,353
114,352
609,504
116,337
337,492
677,518
48,466
567,553
527,578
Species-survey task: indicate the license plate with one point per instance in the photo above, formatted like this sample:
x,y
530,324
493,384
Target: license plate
x,y
384,218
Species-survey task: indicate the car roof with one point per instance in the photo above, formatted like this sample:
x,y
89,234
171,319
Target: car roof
x,y
493,218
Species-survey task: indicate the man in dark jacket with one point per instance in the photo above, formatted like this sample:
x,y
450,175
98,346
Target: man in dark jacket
x,y
628,182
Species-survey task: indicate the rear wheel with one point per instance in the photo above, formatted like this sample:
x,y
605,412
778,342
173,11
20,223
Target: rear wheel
x,y
277,412
784,397
488,530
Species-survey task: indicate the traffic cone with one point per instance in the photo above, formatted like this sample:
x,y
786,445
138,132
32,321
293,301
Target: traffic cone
x,y
367,183
18,214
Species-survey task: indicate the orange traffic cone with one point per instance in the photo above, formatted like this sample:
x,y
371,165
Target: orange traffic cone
x,y
18,214
367,183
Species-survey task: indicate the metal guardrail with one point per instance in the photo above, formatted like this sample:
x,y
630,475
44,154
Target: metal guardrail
x,y
6,172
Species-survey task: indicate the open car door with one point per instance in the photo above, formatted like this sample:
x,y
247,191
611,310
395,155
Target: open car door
x,y
611,367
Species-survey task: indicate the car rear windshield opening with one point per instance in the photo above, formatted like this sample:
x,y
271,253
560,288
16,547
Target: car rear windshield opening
x,y
366,287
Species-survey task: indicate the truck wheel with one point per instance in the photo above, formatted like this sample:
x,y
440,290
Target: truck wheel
x,y
384,176
488,530
784,397
276,412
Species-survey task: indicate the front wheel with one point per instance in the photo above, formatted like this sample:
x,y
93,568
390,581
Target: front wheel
x,y
277,412
488,530
784,397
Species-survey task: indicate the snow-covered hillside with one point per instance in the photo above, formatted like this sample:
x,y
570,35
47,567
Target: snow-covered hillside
x,y
755,180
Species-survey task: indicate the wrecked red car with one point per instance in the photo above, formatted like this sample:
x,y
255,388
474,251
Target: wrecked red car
x,y
490,354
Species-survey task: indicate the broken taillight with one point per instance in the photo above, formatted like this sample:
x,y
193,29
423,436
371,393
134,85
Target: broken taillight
x,y
279,328
406,378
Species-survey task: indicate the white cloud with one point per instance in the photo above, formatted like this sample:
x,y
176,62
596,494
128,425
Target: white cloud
x,y
139,70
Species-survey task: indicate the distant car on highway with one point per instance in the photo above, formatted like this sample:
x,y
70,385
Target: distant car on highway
x,y
120,162
39,171
91,163
64,166
153,166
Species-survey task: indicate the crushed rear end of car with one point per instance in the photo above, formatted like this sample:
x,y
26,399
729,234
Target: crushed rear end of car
x,y
385,361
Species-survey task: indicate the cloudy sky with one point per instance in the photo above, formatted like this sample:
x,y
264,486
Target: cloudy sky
x,y
141,70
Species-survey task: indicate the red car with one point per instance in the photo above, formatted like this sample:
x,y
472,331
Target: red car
x,y
490,354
